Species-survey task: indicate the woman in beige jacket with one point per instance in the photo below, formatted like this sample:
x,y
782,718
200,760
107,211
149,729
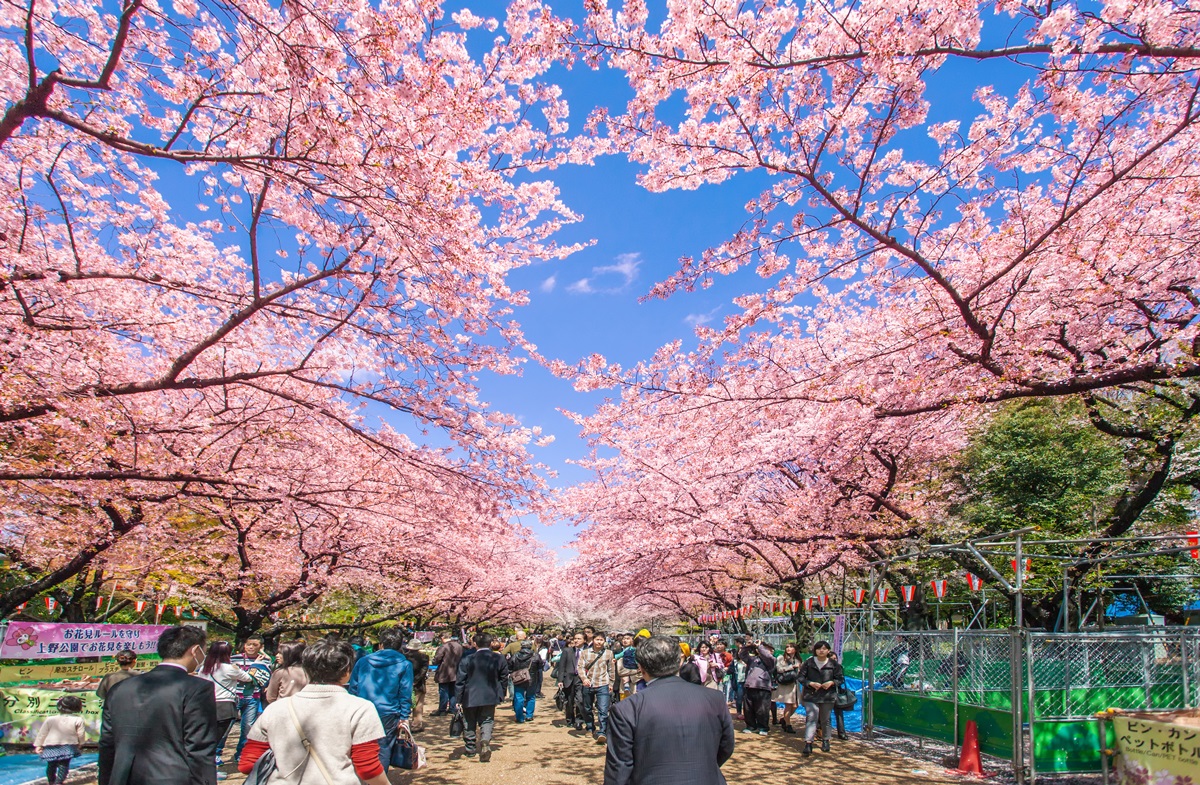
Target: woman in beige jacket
x,y
289,678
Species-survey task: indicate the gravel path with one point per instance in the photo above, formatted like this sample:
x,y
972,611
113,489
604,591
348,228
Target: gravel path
x,y
545,752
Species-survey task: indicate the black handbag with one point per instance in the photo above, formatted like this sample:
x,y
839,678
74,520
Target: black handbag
x,y
845,698
264,767
457,725
560,699
787,677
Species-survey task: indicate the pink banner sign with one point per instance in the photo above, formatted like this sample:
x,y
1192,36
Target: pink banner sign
x,y
47,640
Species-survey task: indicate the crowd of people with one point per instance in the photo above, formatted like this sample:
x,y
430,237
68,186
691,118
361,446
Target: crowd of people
x,y
346,708
593,672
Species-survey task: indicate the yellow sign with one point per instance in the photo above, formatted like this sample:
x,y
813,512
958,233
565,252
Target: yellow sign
x,y
12,674
1153,751
24,709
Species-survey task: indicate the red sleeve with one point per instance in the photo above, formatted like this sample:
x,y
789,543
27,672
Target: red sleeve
x,y
365,758
250,754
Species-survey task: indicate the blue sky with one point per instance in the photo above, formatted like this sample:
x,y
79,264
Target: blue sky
x,y
591,302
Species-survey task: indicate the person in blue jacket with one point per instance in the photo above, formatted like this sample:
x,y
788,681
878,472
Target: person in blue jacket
x,y
385,678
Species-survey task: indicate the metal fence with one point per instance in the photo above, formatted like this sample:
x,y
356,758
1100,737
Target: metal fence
x,y
977,665
1040,681
1076,675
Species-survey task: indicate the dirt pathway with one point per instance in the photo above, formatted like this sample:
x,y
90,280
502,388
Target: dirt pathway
x,y
545,752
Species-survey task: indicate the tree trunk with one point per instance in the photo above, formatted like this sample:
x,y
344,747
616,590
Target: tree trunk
x,y
121,525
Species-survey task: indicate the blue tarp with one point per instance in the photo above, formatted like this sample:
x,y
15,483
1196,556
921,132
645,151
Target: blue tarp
x,y
1123,605
27,767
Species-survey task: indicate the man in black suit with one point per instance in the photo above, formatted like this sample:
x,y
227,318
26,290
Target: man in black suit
x,y
161,728
670,732
566,672
482,678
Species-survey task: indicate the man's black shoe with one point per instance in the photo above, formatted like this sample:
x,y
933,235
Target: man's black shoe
x,y
485,753
807,750
825,745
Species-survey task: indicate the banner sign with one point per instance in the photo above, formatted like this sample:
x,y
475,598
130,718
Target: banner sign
x,y
24,709
1156,751
424,636
12,674
49,640
839,634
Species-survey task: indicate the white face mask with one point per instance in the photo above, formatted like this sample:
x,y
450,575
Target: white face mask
x,y
199,662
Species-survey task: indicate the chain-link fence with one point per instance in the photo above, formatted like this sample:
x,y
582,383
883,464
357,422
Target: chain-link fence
x,y
1037,692
1076,675
935,663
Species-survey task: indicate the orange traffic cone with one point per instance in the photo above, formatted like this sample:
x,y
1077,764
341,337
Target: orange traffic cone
x,y
968,760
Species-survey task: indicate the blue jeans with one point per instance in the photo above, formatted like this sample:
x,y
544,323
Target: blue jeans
x,y
597,697
249,708
738,691
524,698
446,702
390,723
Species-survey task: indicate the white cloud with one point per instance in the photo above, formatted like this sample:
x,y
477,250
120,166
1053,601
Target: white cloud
x,y
549,284
625,271
697,319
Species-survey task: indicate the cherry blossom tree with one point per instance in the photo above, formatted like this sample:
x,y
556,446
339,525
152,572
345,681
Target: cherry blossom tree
x,y
922,258
1042,246
355,219
179,366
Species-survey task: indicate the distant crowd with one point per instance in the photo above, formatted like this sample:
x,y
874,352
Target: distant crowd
x,y
340,712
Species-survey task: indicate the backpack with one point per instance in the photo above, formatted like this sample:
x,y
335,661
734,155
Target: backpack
x,y
629,658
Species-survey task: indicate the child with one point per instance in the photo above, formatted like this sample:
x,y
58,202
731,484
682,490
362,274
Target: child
x,y
60,738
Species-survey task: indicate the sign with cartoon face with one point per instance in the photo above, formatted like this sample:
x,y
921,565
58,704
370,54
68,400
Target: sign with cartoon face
x,y
47,640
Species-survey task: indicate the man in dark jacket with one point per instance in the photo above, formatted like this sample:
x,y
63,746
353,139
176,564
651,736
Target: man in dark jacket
x,y
480,687
566,673
420,664
161,728
447,658
670,731
760,663
385,678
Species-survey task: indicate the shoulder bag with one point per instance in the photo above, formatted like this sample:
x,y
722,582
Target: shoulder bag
x,y
406,753
787,676
845,698
227,708
308,748
264,767
521,675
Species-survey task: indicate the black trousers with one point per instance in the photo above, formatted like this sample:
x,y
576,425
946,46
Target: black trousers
x,y
56,770
573,707
481,719
757,709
